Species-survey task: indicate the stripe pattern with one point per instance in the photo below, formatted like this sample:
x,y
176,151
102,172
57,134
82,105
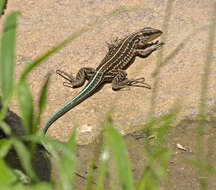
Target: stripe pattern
x,y
120,57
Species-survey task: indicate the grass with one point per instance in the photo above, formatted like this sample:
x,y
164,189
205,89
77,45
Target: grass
x,y
112,144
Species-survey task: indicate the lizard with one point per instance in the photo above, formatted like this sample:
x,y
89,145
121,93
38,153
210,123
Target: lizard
x,y
121,54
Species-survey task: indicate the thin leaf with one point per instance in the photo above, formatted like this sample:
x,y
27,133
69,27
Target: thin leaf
x,y
3,174
165,28
163,127
26,106
121,156
43,95
155,170
6,175
66,166
208,62
51,142
6,128
102,170
203,166
7,61
64,177
16,186
41,186
24,157
203,97
5,145
3,5
7,54
42,102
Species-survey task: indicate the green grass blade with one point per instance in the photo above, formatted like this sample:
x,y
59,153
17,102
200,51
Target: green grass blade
x,y
71,144
25,158
3,174
163,125
203,166
102,168
66,166
42,102
155,171
7,55
203,97
43,95
53,143
7,61
120,155
3,4
157,155
165,27
208,61
5,145
26,106
7,176
6,128
41,186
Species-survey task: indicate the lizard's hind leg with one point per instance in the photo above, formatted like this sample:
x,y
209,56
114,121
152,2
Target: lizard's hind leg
x,y
83,74
121,81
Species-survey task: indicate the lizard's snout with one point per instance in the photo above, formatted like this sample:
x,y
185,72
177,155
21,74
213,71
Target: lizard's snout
x,y
148,34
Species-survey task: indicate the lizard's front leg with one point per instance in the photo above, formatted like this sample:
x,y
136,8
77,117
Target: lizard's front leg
x,y
147,49
83,74
121,81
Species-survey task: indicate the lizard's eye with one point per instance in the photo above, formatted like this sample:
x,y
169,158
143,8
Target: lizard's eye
x,y
138,40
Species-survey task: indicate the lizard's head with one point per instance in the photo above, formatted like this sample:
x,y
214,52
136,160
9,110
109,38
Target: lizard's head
x,y
148,34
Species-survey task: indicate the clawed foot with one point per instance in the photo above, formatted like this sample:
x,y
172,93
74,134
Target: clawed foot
x,y
155,45
158,44
139,82
67,77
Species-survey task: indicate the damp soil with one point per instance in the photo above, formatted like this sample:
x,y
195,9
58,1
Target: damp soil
x,y
181,141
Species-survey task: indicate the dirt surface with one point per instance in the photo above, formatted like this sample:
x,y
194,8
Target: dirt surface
x,y
45,23
182,142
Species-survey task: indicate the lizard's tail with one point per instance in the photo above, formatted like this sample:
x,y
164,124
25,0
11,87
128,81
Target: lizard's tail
x,y
59,113
86,92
